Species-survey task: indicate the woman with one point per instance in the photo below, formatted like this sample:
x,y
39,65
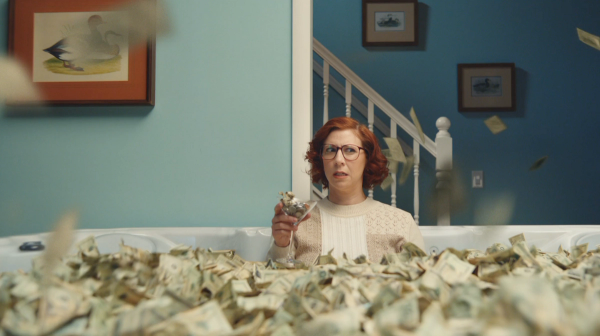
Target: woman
x,y
346,158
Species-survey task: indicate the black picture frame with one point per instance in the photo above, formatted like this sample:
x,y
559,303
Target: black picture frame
x,y
486,87
390,23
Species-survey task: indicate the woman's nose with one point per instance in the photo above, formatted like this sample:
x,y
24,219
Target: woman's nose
x,y
339,157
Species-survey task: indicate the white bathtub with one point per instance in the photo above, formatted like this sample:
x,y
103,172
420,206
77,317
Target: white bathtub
x,y
253,243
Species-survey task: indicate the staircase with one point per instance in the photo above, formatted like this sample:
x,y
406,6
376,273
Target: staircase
x,y
440,148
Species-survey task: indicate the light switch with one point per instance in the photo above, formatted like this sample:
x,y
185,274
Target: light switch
x,y
477,178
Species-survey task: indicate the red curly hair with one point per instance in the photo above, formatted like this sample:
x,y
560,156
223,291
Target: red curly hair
x,y
376,168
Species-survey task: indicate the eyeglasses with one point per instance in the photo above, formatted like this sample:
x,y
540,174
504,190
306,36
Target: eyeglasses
x,y
350,152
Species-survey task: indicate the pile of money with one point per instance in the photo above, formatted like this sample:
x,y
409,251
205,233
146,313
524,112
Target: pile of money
x,y
505,290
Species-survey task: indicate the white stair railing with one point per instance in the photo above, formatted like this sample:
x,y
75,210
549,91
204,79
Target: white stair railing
x,y
331,82
441,149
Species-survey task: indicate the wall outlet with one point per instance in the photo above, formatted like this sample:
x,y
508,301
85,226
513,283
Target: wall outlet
x,y
477,178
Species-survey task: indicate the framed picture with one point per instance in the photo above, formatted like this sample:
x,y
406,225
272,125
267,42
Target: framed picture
x,y
486,87
390,23
81,53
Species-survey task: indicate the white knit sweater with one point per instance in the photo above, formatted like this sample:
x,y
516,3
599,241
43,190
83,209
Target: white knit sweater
x,y
370,228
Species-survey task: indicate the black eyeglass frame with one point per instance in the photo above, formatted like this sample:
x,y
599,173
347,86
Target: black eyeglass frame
x,y
338,148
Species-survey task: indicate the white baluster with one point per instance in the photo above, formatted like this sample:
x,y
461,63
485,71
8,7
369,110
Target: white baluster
x,y
348,98
443,167
325,92
417,157
394,135
371,115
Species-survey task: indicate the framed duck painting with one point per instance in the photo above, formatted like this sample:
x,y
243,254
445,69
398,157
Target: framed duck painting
x,y
84,52
487,87
390,23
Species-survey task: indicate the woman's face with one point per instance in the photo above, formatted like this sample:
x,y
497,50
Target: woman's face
x,y
345,177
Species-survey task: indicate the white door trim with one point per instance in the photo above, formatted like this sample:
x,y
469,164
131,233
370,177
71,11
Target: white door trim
x,y
302,56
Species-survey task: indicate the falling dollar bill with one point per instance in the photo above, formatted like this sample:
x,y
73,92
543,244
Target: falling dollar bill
x,y
495,124
59,241
392,164
539,163
407,168
517,239
415,120
589,39
395,148
15,83
143,19
387,182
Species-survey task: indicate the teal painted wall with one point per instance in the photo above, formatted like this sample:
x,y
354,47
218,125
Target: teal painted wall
x,y
558,82
214,151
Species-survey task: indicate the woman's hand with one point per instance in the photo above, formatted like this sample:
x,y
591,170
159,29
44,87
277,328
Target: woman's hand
x,y
282,227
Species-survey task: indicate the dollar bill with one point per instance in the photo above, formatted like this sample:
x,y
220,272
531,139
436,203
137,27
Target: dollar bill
x,y
89,248
16,85
538,163
589,39
403,313
413,250
385,185
466,302
270,302
560,260
341,322
395,149
433,321
207,319
497,247
283,330
249,324
578,250
415,120
391,163
517,239
407,168
452,269
57,307
495,125
59,242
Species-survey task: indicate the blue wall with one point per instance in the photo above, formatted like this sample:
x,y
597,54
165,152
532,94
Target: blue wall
x,y
214,151
558,83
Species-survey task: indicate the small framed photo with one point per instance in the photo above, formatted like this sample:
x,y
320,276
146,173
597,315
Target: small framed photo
x,y
81,53
486,87
390,23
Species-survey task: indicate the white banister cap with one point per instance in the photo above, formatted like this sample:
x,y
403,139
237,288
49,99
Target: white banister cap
x,y
443,124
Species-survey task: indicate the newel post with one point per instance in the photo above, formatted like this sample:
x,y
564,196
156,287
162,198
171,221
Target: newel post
x,y
443,167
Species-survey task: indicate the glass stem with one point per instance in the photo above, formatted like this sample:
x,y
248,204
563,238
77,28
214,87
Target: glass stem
x,y
290,256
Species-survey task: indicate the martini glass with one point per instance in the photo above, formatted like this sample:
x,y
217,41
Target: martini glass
x,y
292,206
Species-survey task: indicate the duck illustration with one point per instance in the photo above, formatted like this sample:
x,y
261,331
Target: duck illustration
x,y
486,87
77,48
389,21
482,87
